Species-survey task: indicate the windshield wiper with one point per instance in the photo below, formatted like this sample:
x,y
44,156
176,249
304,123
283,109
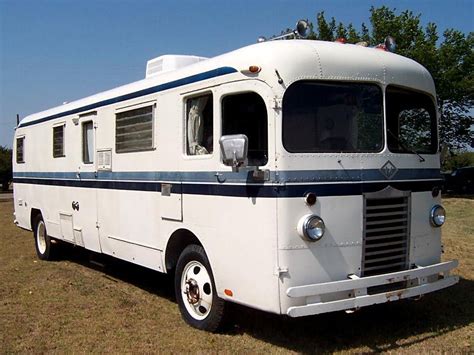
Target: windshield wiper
x,y
404,147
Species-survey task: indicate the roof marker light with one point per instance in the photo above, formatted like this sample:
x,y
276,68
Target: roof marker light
x,y
252,69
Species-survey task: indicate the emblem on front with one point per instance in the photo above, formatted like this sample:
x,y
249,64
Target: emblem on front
x,y
388,170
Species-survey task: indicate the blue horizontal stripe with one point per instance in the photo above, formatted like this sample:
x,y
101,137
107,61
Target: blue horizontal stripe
x,y
326,189
166,86
365,175
330,183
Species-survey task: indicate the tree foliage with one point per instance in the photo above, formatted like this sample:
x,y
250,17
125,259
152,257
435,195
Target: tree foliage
x,y
449,60
455,160
5,166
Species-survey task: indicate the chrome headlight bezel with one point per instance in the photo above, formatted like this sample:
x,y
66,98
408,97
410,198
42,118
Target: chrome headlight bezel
x,y
311,227
437,216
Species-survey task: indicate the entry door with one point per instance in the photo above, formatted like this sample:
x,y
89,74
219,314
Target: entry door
x,y
84,198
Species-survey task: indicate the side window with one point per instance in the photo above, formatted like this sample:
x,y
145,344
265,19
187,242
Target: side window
x,y
247,114
411,121
134,130
199,126
20,146
88,142
58,141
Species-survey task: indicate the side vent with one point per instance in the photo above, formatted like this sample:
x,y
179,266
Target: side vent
x,y
169,62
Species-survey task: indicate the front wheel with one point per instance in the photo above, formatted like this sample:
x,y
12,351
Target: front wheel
x,y
196,292
44,246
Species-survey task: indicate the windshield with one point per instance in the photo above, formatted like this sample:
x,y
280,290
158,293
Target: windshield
x,y
411,121
332,117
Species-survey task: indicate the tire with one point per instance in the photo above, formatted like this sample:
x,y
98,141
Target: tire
x,y
44,246
195,290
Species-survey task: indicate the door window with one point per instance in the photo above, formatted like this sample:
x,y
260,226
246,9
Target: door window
x,y
246,113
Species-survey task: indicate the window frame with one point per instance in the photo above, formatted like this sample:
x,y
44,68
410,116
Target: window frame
x,y
63,148
434,123
133,107
22,138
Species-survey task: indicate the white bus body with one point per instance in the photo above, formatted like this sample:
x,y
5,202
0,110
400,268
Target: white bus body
x,y
137,173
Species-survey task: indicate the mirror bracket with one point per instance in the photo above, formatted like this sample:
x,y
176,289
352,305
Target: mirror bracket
x,y
261,175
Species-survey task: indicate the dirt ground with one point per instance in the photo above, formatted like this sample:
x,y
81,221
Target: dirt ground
x,y
87,303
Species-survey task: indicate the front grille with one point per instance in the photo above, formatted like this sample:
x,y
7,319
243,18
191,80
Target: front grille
x,y
386,232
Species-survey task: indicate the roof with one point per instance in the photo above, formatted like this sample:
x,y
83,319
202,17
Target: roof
x,y
294,60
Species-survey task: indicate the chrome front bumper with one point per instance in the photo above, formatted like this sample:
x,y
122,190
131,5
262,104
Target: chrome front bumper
x,y
418,282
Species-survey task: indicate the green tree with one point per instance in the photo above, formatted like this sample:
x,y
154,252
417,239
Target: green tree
x,y
5,167
450,62
456,160
352,35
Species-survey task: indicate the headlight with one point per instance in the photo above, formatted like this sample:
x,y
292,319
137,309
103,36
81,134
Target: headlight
x,y
311,227
437,216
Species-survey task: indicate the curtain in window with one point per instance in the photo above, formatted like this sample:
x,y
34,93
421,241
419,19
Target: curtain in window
x,y
196,126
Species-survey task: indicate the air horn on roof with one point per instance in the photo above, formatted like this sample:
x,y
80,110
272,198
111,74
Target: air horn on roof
x,y
302,30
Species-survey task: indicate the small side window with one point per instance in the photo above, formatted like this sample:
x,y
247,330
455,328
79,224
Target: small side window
x,y
58,141
88,142
20,146
199,125
134,130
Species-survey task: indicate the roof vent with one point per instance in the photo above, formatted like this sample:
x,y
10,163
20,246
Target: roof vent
x,y
169,62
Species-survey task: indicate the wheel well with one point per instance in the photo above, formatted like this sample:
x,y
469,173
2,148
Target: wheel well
x,y
34,213
179,240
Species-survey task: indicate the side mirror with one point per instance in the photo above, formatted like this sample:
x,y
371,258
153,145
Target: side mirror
x,y
234,149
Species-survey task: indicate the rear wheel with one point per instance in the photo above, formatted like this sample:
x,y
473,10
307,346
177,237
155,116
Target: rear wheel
x,y
44,246
195,290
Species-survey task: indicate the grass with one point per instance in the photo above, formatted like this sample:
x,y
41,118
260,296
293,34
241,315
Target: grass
x,y
74,305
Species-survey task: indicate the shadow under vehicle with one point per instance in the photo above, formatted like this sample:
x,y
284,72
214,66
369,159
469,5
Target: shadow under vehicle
x,y
461,180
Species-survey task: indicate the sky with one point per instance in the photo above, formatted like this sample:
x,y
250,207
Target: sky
x,y
52,51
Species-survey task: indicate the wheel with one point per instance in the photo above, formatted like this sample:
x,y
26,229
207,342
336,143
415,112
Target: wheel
x,y
195,290
44,247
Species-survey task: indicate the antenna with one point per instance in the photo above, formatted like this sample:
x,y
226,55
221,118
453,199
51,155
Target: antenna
x,y
17,119
301,30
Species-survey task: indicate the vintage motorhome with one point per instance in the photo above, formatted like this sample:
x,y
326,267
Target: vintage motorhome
x,y
296,177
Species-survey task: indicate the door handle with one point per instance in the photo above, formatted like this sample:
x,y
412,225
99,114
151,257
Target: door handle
x,y
220,177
